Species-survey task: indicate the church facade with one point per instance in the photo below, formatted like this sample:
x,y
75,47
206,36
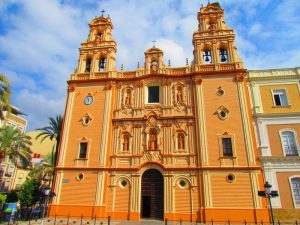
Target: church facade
x,y
160,142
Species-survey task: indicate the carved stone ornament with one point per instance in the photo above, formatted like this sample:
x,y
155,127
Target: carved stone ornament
x,y
222,112
108,86
199,81
181,127
240,78
152,121
179,106
86,120
71,88
127,110
126,128
151,156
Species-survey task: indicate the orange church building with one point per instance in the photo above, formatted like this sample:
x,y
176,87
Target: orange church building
x,y
160,142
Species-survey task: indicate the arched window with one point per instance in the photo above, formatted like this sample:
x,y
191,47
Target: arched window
x,y
223,55
102,63
295,185
288,142
180,141
126,142
152,143
99,34
88,65
207,59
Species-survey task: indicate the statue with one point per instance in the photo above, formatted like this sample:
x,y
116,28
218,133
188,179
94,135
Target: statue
x,y
179,94
152,140
125,143
128,97
180,141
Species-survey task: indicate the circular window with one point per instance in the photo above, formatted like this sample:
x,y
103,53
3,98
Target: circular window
x,y
230,178
86,120
222,114
80,177
182,184
123,183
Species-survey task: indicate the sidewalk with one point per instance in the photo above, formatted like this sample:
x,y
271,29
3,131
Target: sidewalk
x,y
59,221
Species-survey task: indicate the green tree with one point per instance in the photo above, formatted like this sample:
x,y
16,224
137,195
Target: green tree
x,y
2,198
16,145
29,193
12,197
52,131
4,95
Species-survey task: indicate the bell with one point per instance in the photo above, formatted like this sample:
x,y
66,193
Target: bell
x,y
223,58
223,55
102,63
206,55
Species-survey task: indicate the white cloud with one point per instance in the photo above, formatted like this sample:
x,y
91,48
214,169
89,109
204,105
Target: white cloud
x,y
256,28
39,107
173,51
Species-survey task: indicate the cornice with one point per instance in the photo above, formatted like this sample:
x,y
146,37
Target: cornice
x,y
276,115
203,74
201,169
280,161
273,74
273,78
159,118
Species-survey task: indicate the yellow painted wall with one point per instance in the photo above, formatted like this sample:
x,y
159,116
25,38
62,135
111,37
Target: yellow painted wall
x,y
215,126
285,189
292,96
44,148
237,194
20,177
72,189
274,137
122,200
93,132
182,202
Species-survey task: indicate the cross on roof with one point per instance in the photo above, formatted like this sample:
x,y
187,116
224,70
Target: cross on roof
x,y
153,44
103,11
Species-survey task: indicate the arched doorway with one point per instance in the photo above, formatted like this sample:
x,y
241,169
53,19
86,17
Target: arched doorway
x,y
152,195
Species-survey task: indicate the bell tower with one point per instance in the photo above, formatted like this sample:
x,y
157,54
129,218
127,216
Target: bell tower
x,y
97,53
214,41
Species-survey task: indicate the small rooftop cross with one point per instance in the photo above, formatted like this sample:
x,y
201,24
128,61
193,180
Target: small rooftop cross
x,y
103,11
153,44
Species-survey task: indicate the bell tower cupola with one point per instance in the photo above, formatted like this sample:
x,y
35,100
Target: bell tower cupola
x,y
97,53
214,41
154,59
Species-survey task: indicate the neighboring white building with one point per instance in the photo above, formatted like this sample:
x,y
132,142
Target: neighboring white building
x,y
275,100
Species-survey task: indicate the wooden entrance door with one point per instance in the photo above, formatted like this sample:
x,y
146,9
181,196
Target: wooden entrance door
x,y
152,199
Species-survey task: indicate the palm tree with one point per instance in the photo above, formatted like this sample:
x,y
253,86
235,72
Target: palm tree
x,y
15,145
4,95
52,131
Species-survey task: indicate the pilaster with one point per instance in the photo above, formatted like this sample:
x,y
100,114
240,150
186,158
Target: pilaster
x,y
246,122
201,123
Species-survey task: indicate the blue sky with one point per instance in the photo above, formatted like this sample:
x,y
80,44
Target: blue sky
x,y
39,40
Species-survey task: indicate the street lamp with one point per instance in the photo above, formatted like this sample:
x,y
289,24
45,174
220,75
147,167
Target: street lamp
x,y
46,194
268,193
